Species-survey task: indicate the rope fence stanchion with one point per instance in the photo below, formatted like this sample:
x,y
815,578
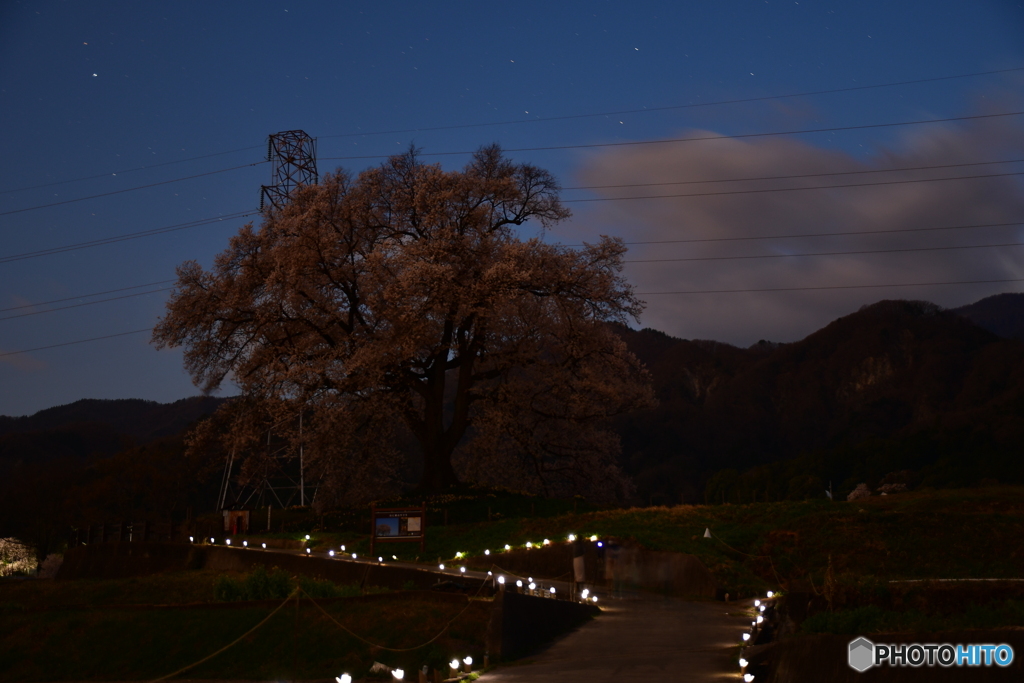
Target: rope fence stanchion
x,y
240,638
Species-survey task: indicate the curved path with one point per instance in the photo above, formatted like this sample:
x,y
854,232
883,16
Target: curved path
x,y
640,638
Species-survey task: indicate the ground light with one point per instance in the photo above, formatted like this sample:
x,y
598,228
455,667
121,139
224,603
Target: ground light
x,y
508,547
354,556
759,618
593,538
743,663
552,589
594,599
519,584
533,586
331,553
487,552
265,547
761,608
572,537
585,593
757,603
501,580
547,541
746,637
343,678
342,548
770,593
191,540
308,551
307,537
529,545
228,541
245,543
462,569
454,666
748,677
399,674
213,540
441,567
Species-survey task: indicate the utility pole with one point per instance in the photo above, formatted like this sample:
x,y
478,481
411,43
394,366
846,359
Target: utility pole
x,y
293,154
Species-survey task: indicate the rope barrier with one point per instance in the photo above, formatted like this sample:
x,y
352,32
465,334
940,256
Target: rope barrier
x,y
232,643
393,649
770,561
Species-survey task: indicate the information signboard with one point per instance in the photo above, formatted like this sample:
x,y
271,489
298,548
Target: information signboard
x,y
398,524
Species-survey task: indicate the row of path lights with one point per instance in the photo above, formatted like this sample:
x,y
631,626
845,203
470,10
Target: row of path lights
x,y
455,668
751,633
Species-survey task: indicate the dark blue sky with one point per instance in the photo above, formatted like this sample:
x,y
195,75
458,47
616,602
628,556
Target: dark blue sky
x,y
100,90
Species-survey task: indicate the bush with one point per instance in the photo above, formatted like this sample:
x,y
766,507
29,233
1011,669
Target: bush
x,y
276,584
846,622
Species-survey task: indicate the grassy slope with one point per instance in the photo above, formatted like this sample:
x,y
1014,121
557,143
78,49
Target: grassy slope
x,y
55,630
959,533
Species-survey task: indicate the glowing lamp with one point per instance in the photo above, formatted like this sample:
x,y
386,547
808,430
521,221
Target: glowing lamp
x,y
533,586
529,545
265,547
343,678
307,537
462,569
585,593
441,567
748,677
759,618
468,661
519,584
501,580
487,552
547,541
746,637
454,665
761,608
245,543
380,559
354,556
213,540
756,603
552,589
394,557
343,548
459,555
331,553
593,538
600,544
228,541
308,551
743,663
399,674
508,547
191,540
593,599
490,573
572,537
770,593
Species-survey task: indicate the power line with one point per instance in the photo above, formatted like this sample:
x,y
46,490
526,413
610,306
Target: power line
x,y
77,341
125,237
705,137
789,189
534,120
807,289
130,170
87,303
793,177
818,234
825,253
84,296
130,189
678,106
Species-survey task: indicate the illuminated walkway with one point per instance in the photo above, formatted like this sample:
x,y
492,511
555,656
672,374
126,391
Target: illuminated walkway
x,y
643,638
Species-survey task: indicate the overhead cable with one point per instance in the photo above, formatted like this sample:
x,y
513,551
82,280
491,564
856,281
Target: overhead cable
x,y
86,303
678,106
808,289
738,136
130,189
824,253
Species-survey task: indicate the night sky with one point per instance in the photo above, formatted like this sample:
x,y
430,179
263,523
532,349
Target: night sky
x,y
100,98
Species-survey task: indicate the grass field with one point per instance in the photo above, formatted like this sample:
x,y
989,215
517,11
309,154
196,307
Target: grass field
x,y
111,630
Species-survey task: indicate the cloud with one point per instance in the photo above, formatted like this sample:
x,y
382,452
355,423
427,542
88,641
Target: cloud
x,y
22,361
789,315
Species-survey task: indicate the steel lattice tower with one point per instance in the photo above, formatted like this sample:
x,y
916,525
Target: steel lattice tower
x,y
293,154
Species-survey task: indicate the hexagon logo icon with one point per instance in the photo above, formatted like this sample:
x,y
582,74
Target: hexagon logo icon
x,y
861,654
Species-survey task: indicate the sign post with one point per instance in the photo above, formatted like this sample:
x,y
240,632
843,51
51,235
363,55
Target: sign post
x,y
391,525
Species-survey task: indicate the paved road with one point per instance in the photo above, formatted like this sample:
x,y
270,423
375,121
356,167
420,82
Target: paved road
x,y
640,638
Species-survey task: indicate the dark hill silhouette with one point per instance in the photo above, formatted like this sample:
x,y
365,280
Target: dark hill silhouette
x,y
1002,314
891,371
139,419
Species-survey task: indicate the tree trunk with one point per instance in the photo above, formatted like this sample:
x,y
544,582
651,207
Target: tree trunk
x,y
438,473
